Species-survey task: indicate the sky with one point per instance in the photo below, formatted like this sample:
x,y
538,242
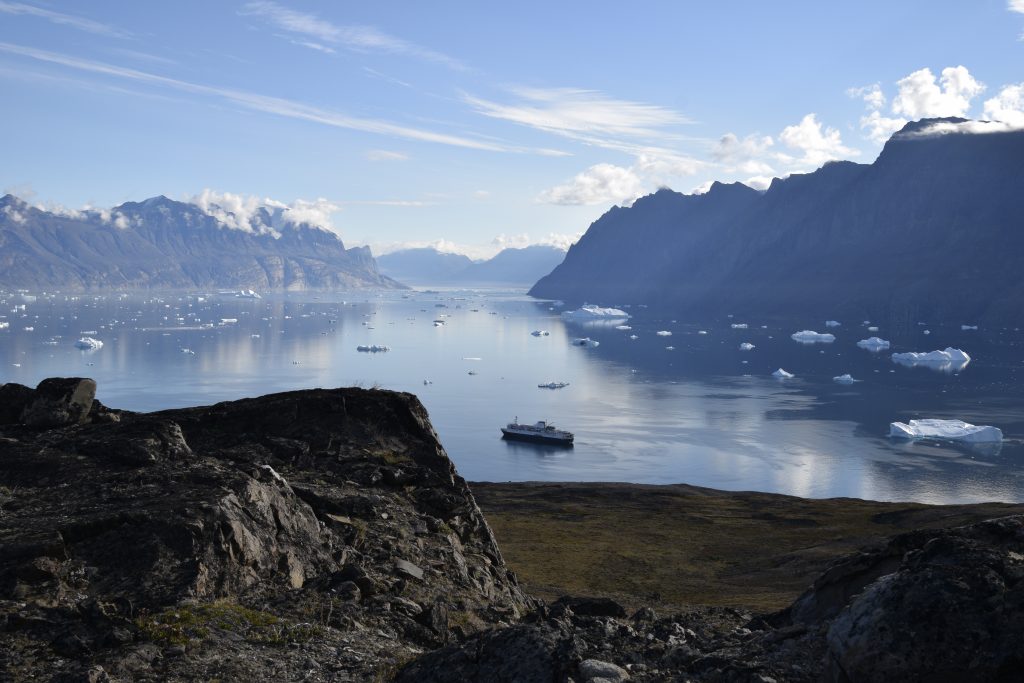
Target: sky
x,y
473,126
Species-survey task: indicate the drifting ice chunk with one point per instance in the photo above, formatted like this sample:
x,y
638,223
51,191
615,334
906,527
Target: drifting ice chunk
x,y
746,346
738,326
663,333
594,313
782,374
873,328
968,327
844,379
832,323
372,348
623,327
89,344
950,430
811,337
553,385
585,341
702,331
540,333
950,360
873,344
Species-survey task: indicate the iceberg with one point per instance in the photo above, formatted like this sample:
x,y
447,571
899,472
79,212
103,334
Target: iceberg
x,y
88,344
585,341
832,323
372,348
873,344
782,374
746,346
947,430
844,379
663,333
540,333
739,326
949,360
812,337
553,385
623,327
968,327
586,313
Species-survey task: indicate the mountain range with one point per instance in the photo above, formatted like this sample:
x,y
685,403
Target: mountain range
x,y
162,243
931,229
510,267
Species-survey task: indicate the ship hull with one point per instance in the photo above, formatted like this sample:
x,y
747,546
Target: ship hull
x,y
536,438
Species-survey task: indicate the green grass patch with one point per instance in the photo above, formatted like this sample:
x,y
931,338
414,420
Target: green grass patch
x,y
191,624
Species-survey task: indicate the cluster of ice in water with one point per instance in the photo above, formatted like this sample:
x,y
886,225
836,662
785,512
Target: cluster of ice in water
x,y
812,337
950,359
589,312
949,430
89,344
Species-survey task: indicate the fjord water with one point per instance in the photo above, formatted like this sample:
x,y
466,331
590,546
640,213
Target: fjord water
x,y
704,413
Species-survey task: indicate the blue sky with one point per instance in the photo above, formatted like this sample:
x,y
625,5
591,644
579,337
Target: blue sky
x,y
475,124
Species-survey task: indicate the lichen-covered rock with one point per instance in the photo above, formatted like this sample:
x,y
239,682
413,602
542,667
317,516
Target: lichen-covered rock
x,y
58,402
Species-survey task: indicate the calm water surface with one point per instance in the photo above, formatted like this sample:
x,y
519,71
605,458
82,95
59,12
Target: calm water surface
x,y
703,413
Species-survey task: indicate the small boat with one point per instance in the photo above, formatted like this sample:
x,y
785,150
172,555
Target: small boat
x,y
553,385
539,432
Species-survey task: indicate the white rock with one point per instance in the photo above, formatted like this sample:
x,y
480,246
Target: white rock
x,y
873,344
782,374
812,337
948,430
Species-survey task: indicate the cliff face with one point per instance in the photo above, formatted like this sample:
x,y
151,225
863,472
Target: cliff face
x,y
317,530
161,243
324,535
930,230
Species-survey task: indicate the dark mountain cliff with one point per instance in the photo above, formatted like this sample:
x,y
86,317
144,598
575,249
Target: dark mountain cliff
x,y
161,243
932,228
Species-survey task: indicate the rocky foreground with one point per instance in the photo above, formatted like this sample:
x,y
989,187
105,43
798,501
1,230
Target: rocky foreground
x,y
324,535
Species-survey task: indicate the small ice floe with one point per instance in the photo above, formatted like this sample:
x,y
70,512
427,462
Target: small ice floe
x,y
949,360
633,336
588,312
372,348
927,332
946,430
702,331
663,333
812,337
844,379
426,382
437,323
471,372
228,321
30,329
189,352
585,341
873,344
738,326
88,344
670,348
746,346
254,336
968,327
623,327
540,333
873,328
553,385
782,374
832,323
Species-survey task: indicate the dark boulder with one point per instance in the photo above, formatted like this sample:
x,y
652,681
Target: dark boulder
x,y
59,402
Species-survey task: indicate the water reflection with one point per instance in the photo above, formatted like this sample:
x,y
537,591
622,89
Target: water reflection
x,y
707,413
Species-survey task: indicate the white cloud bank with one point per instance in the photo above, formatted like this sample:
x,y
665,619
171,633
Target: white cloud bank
x,y
599,184
246,212
922,95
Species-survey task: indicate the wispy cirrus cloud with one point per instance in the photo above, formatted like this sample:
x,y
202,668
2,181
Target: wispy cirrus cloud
x,y
320,34
264,103
80,23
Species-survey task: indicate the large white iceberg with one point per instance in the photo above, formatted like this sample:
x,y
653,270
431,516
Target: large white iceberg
x,y
873,344
812,337
588,312
948,430
89,344
950,360
782,374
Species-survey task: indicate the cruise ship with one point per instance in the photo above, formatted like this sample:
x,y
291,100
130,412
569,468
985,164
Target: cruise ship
x,y
539,432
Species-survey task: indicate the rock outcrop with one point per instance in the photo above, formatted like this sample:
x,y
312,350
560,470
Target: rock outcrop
x,y
316,535
324,535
